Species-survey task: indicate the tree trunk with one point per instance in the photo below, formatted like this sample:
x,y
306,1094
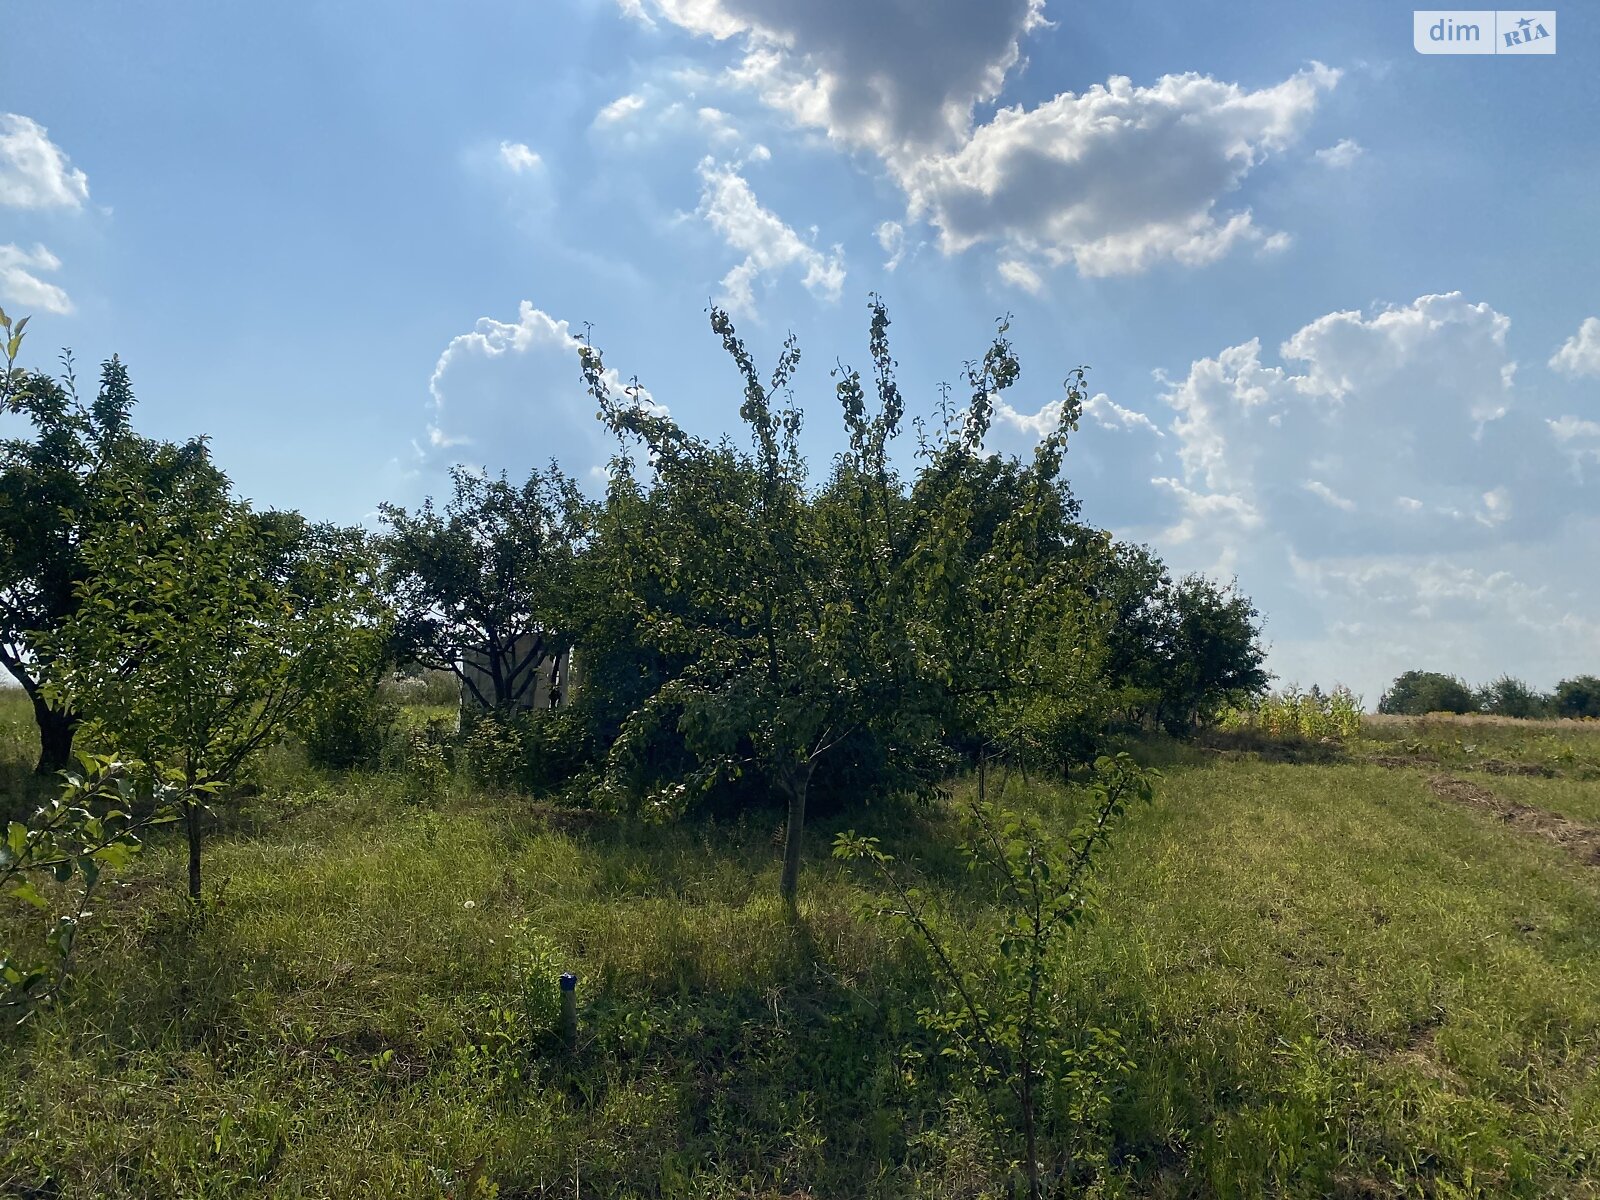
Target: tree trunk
x,y
191,822
795,782
55,736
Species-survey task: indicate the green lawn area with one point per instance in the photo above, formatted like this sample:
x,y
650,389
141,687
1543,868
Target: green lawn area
x,y
1326,980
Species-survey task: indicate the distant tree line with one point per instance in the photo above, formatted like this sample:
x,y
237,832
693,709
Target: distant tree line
x,y
1417,693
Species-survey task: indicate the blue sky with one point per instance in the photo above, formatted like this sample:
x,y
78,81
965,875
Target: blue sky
x,y
1340,301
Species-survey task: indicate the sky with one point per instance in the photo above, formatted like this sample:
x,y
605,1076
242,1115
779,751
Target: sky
x,y
1339,300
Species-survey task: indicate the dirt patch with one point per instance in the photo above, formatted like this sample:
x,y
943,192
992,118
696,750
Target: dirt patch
x,y
1400,761
1581,841
1497,766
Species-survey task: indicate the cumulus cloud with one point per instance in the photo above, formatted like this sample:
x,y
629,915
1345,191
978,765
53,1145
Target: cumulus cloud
x,y
1580,354
34,172
1341,154
507,395
1417,397
1119,177
717,124
1099,410
19,284
1112,180
1422,502
770,247
1108,414
891,77
517,158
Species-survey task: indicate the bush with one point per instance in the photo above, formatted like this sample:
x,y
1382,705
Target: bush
x,y
534,752
351,731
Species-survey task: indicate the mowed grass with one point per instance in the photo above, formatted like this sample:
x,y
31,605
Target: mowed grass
x,y
1327,981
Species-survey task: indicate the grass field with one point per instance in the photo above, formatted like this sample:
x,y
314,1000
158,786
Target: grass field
x,y
1348,978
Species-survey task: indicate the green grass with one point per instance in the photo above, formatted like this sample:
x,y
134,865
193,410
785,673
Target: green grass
x,y
1496,744
1327,980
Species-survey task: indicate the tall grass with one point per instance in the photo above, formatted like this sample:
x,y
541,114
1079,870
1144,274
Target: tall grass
x,y
1323,980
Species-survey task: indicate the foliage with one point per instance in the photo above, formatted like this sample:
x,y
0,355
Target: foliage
x,y
490,578
1417,693
94,824
200,635
1004,1018
1181,652
1293,713
59,490
782,624
1508,697
348,728
1578,697
1214,655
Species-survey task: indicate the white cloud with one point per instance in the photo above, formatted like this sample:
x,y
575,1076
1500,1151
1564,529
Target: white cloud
x,y
888,76
1341,154
1100,409
1408,394
1020,275
892,237
518,158
34,172
730,206
508,394
1580,354
1317,488
1108,414
1385,615
717,124
620,109
1112,180
1389,460
1119,177
19,284
1568,429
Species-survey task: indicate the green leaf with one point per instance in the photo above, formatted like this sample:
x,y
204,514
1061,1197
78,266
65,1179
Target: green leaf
x,y
28,894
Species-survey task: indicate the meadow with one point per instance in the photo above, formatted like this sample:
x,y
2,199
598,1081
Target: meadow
x,y
1317,969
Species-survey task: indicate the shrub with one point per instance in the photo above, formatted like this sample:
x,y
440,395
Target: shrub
x,y
352,731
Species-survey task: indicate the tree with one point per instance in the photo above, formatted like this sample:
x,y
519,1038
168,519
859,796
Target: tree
x,y
1508,697
1133,584
199,636
1212,656
1004,1020
732,580
491,578
59,489
791,622
1578,697
1418,693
